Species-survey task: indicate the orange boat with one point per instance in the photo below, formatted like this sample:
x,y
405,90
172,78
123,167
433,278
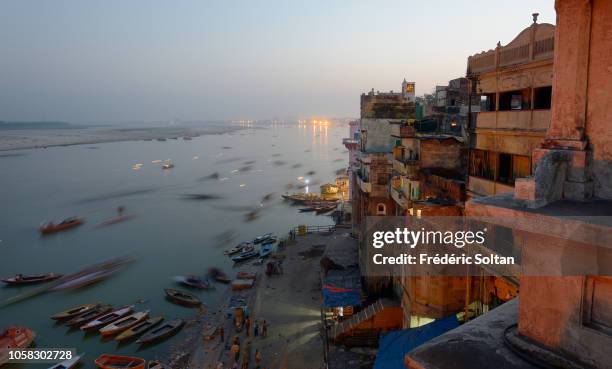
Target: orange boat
x,y
65,224
107,361
14,338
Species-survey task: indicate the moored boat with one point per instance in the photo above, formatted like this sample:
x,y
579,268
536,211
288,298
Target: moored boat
x,y
108,318
193,281
245,256
89,315
72,312
246,275
124,323
241,247
218,275
166,330
182,297
265,250
107,361
139,328
68,364
263,238
31,279
14,338
50,227
154,364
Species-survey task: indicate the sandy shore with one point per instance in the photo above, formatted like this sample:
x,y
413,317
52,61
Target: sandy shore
x,y
16,139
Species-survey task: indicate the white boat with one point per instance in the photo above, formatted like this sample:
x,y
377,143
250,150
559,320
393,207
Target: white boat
x,y
67,364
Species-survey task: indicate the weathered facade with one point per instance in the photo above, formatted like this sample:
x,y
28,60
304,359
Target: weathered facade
x,y
514,84
559,218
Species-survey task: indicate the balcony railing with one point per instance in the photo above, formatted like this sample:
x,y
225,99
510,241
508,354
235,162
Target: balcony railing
x,y
398,196
536,120
364,184
406,167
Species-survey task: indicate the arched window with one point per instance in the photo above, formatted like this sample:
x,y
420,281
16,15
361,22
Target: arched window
x,y
381,209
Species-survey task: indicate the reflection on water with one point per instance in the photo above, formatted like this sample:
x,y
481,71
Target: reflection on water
x,y
187,217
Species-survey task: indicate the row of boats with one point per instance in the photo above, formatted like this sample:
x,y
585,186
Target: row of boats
x,y
122,322
247,250
315,203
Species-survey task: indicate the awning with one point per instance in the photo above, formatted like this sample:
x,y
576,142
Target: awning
x,y
394,345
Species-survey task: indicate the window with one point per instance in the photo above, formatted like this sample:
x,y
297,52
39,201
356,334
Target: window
x,y
515,100
382,180
381,209
483,164
542,97
505,169
487,102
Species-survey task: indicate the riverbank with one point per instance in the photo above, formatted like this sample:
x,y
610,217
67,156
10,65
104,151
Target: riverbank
x,y
16,139
289,303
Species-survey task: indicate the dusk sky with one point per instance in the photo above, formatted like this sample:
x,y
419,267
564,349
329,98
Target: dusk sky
x,y
118,60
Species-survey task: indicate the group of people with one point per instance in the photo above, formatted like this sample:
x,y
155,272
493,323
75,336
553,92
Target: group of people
x,y
259,327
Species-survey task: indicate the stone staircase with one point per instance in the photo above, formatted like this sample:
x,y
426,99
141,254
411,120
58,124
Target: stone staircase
x,y
356,319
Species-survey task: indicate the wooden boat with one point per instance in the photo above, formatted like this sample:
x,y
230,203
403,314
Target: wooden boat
x,y
107,361
242,284
193,281
50,227
139,328
269,240
263,238
325,209
218,275
265,250
246,275
73,312
89,315
166,330
124,323
14,338
168,166
31,279
241,247
108,318
154,364
68,364
182,297
117,219
308,209
245,256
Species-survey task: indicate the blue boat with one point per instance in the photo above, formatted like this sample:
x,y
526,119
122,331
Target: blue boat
x,y
270,240
245,256
263,237
265,250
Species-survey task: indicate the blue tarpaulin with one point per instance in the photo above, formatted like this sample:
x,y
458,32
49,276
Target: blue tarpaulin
x,y
396,344
342,287
340,297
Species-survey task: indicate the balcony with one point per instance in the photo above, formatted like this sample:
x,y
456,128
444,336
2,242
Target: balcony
x,y
407,167
398,196
527,120
364,185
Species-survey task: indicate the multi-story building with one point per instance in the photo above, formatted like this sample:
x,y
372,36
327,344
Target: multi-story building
x,y
371,196
559,218
514,85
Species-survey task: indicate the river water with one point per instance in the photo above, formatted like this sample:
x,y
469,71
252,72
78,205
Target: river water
x,y
169,235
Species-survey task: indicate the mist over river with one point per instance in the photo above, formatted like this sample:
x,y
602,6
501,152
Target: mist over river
x,y
171,233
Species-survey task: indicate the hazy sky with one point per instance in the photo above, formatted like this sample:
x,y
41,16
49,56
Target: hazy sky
x,y
120,60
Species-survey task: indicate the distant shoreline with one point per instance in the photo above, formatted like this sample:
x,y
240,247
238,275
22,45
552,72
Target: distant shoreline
x,y
24,139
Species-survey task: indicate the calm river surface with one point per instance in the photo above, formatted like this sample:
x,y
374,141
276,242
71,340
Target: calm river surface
x,y
169,236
